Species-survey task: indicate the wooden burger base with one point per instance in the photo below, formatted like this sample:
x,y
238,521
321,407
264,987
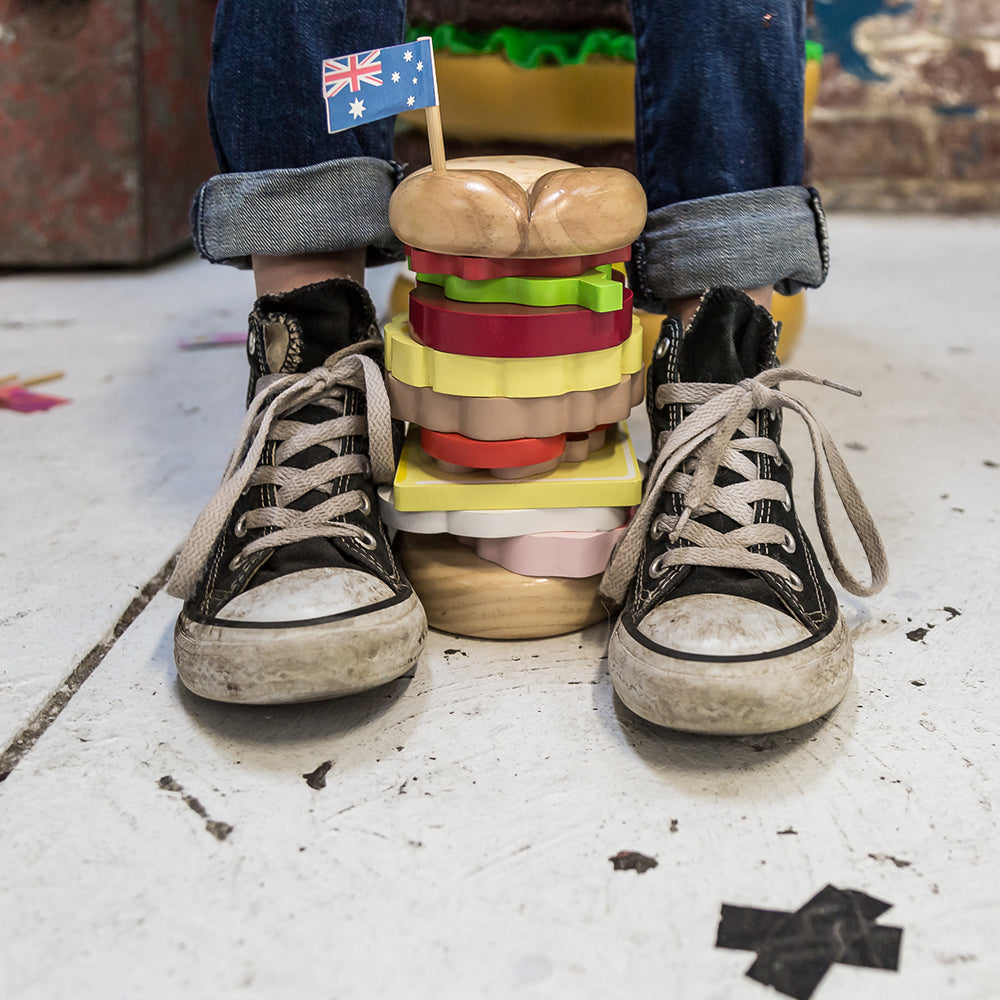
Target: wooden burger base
x,y
469,596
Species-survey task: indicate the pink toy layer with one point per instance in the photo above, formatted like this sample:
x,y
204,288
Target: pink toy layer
x,y
504,330
481,268
574,554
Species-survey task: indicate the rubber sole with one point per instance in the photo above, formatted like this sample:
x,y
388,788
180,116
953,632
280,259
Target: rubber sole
x,y
279,663
735,696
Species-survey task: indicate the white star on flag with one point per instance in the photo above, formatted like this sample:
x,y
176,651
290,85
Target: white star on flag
x,y
414,79
395,78
407,55
357,108
409,101
420,66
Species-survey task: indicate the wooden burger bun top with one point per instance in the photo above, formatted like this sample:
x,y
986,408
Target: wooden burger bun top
x,y
518,206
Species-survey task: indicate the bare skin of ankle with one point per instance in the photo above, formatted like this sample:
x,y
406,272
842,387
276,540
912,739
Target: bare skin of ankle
x,y
684,309
274,274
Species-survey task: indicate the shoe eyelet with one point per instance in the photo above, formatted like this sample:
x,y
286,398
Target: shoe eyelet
x,y
367,540
236,562
657,568
656,532
779,461
366,504
240,527
661,348
789,544
787,502
795,583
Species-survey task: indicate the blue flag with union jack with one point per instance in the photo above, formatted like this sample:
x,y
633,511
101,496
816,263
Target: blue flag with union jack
x,y
367,86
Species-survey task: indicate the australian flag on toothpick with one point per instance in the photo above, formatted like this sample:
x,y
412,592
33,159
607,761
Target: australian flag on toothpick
x,y
367,86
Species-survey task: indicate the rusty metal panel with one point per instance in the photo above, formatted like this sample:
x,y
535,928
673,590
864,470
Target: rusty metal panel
x,y
103,135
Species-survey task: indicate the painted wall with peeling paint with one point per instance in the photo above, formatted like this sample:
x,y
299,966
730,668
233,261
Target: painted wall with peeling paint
x,y
908,116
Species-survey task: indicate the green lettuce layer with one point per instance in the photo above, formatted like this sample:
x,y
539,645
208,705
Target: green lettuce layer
x,y
529,49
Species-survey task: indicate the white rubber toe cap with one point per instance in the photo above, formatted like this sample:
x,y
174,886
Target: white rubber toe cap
x,y
308,594
720,625
713,663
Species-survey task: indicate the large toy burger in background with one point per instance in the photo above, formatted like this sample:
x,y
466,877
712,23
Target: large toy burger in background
x,y
515,362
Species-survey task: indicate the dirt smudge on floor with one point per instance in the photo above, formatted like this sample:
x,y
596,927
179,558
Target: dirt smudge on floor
x,y
317,779
632,861
215,827
898,862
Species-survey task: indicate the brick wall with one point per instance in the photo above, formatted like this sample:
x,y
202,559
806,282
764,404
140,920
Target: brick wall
x,y
908,114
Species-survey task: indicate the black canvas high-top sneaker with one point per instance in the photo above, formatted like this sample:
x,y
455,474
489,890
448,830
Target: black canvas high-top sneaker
x,y
291,590
728,624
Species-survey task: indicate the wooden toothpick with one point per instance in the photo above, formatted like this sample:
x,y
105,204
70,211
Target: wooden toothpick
x,y
432,113
39,379
435,136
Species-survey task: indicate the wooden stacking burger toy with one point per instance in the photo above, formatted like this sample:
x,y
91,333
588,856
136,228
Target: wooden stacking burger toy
x,y
517,359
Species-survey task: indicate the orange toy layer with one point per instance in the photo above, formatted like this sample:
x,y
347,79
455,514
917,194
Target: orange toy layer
x,y
512,459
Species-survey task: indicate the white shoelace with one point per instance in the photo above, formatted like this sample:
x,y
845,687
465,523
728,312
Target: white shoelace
x,y
688,461
278,395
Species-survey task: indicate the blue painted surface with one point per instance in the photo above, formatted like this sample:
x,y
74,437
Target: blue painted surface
x,y
956,110
837,19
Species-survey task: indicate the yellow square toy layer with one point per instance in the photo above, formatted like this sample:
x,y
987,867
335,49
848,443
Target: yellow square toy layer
x,y
610,477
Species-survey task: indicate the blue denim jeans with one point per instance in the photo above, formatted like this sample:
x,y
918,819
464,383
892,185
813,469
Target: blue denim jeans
x,y
719,144
287,185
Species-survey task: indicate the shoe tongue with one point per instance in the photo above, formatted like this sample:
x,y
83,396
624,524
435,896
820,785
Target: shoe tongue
x,y
729,339
300,329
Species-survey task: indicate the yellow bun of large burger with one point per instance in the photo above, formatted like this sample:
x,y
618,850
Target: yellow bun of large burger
x,y
488,97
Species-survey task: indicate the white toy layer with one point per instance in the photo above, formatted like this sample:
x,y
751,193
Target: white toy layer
x,y
499,523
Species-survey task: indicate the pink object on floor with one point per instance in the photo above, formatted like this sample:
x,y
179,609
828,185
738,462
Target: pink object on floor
x,y
574,554
14,397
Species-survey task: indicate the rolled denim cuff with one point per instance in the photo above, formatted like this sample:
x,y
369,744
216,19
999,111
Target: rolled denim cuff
x,y
337,205
748,239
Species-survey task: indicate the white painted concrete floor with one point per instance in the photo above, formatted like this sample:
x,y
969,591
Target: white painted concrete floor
x,y
461,845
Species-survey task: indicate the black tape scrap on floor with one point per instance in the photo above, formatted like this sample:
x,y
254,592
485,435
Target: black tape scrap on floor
x,y
795,950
